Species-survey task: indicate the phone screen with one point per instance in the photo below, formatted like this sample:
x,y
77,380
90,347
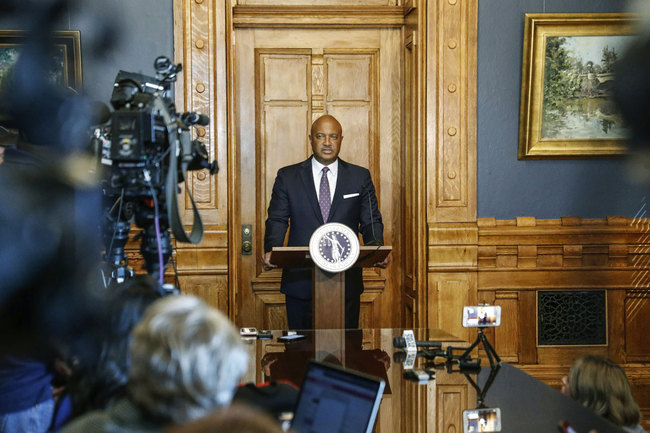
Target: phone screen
x,y
482,315
482,420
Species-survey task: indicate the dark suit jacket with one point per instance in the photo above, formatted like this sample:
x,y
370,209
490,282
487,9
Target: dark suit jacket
x,y
294,203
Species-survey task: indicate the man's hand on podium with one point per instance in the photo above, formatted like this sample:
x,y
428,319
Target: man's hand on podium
x,y
383,264
266,262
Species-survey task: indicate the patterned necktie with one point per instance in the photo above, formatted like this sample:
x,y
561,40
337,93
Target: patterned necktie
x,y
324,195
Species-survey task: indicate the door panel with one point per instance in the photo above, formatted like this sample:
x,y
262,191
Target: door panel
x,y
286,79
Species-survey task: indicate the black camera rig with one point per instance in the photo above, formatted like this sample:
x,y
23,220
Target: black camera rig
x,y
144,151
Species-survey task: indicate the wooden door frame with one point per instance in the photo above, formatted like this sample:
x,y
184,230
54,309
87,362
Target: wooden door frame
x,y
432,18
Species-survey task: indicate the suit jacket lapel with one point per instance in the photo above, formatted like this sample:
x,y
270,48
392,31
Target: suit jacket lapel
x,y
341,178
307,179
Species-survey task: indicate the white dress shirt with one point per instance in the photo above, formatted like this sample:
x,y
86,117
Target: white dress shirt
x,y
332,174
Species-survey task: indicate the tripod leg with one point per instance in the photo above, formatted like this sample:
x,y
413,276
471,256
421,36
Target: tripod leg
x,y
469,349
489,349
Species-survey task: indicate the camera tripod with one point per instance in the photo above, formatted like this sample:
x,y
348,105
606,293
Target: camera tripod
x,y
489,350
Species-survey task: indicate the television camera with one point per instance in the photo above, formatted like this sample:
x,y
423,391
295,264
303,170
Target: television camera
x,y
144,152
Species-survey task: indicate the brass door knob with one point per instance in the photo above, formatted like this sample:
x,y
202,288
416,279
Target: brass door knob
x,y
247,246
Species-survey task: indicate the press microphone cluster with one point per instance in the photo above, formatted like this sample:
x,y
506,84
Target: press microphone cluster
x,y
400,342
420,376
400,357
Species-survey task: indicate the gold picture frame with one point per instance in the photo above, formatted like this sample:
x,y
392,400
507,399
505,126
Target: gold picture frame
x,y
566,107
66,56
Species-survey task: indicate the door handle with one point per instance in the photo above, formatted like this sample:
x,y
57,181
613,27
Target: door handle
x,y
246,239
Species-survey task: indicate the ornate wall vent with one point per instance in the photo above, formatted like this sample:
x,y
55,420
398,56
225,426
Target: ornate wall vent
x,y
568,318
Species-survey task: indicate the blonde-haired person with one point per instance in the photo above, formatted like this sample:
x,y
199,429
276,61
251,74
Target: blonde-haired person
x,y
601,385
186,360
237,418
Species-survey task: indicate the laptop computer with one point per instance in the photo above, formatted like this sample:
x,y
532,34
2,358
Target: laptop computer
x,y
333,399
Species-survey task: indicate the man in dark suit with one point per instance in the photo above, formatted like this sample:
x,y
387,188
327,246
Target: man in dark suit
x,y
309,194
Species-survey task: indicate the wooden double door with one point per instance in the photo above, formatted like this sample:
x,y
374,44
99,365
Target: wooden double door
x,y
284,78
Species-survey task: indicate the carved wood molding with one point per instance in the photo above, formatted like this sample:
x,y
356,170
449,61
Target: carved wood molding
x,y
452,247
569,244
318,16
451,110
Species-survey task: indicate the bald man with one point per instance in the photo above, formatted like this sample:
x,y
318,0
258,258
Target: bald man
x,y
295,200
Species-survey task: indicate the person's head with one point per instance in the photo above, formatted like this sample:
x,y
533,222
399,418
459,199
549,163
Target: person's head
x,y
100,371
325,138
186,360
601,385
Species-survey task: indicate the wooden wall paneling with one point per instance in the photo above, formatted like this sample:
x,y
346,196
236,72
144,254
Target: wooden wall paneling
x,y
451,399
616,325
566,355
414,404
408,254
409,311
390,97
211,288
527,327
451,162
246,308
413,201
527,255
451,111
453,255
452,291
506,337
334,71
200,46
452,395
288,14
317,2
367,317
270,304
639,377
636,312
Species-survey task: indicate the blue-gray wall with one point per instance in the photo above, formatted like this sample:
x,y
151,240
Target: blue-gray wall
x,y
507,187
145,30
138,30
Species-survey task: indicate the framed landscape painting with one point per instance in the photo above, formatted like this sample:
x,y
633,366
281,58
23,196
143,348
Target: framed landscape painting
x,y
566,87
65,64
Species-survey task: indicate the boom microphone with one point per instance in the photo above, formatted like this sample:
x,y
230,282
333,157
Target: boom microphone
x,y
400,343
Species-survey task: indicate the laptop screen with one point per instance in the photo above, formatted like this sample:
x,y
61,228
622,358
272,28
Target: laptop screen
x,y
334,399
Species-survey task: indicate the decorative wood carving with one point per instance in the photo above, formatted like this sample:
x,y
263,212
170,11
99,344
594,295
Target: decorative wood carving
x,y
317,16
451,111
315,2
452,235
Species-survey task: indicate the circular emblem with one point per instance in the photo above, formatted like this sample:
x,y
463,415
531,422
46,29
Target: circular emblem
x,y
334,247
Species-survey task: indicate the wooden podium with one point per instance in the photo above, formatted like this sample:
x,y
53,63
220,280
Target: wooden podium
x,y
328,289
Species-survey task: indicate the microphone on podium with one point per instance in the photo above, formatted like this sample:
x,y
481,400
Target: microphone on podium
x,y
366,190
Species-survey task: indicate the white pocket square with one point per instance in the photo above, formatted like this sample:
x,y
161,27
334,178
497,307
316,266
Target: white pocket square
x,y
354,194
